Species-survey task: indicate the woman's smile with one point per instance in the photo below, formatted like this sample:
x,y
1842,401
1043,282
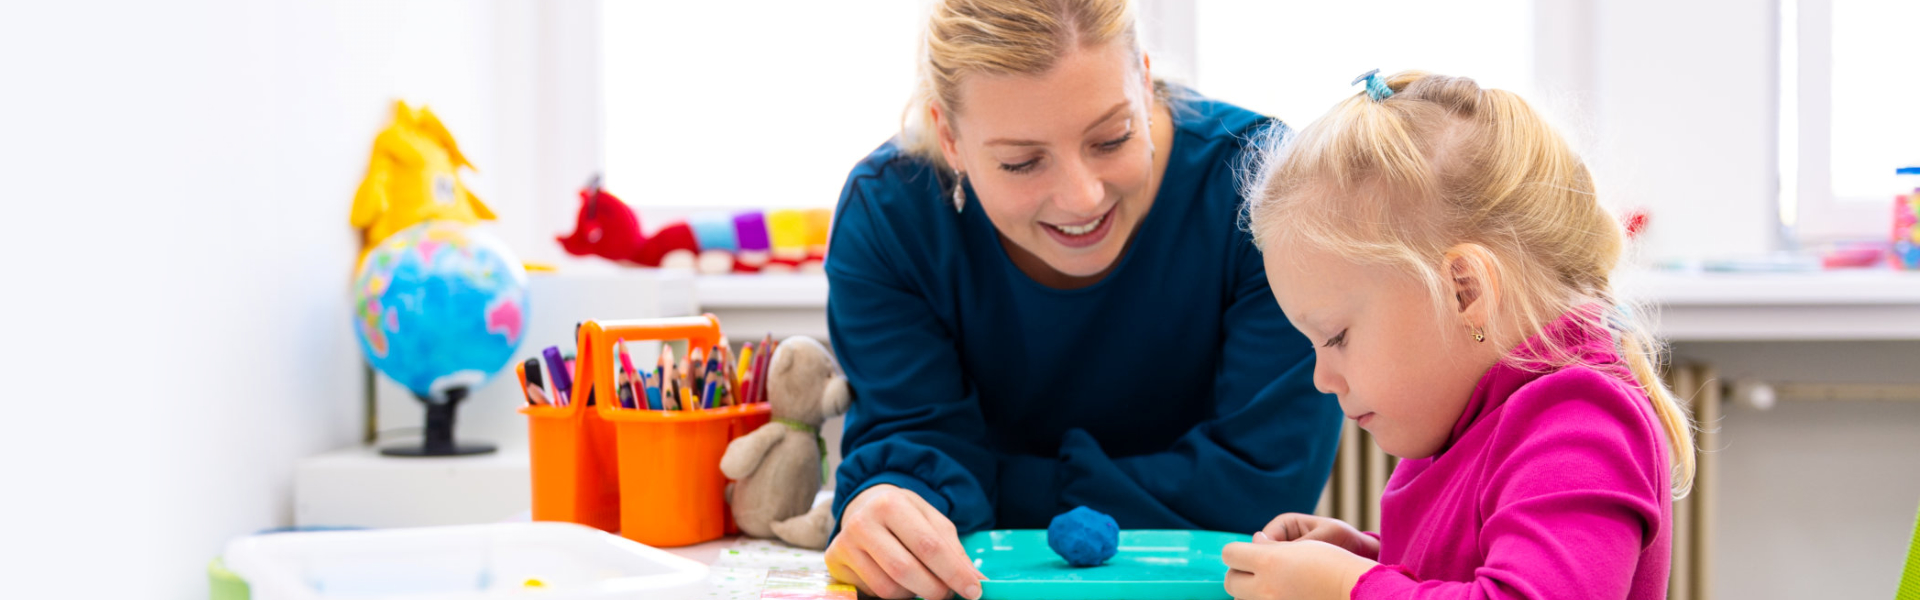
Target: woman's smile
x,y
1082,234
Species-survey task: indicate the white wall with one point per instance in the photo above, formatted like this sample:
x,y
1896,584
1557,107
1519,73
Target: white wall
x,y
1816,498
1672,103
174,186
1681,115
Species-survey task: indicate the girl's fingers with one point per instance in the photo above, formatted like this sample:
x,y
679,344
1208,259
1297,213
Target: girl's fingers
x,y
1288,527
1338,534
1239,556
1239,584
1329,533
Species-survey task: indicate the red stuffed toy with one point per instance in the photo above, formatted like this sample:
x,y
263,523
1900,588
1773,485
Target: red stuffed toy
x,y
606,227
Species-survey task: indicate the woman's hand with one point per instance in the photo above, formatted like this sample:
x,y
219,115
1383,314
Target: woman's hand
x,y
892,544
1306,569
1294,527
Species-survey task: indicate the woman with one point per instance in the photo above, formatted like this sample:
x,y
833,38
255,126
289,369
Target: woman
x,y
1042,299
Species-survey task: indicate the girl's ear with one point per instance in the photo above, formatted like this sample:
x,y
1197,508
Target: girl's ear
x,y
1475,278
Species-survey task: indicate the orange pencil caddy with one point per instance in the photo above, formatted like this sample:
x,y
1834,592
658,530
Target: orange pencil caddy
x,y
652,475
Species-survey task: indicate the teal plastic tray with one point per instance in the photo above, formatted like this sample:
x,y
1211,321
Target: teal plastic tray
x,y
1152,564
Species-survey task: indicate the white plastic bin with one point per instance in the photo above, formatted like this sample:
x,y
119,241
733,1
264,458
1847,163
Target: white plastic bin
x,y
506,560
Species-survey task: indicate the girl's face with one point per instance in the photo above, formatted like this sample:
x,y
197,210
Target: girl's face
x,y
1404,372
1062,162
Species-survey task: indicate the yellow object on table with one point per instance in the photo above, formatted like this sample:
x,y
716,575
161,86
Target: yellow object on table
x,y
787,229
805,585
413,176
819,228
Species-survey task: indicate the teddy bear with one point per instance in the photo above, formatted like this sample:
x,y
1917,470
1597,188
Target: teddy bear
x,y
777,468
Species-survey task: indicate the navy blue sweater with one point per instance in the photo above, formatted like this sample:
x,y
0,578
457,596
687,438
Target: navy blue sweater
x,y
1171,394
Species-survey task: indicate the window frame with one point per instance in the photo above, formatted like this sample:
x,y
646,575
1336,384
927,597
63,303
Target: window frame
x,y
1810,213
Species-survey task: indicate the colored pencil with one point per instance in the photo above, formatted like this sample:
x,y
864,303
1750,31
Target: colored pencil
x,y
745,374
634,377
712,377
697,370
525,388
557,373
653,391
767,347
669,379
726,374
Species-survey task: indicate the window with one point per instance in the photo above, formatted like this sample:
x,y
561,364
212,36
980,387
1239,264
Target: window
x,y
1847,116
1876,124
1293,60
750,104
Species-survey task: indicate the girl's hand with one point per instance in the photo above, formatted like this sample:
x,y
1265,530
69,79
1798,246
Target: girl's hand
x,y
892,544
1294,527
1302,570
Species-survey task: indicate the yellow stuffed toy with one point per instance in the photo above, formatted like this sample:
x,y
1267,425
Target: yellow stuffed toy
x,y
413,176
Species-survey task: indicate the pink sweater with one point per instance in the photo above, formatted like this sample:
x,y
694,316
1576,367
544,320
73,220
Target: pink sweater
x,y
1552,485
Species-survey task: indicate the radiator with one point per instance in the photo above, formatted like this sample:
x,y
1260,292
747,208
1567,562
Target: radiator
x,y
1360,472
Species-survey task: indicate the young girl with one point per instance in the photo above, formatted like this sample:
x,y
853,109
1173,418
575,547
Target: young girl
x,y
1442,248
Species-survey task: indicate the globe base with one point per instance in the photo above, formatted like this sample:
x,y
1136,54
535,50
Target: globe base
x,y
460,449
439,431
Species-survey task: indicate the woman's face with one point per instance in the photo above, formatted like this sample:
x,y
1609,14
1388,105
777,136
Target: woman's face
x,y
1062,162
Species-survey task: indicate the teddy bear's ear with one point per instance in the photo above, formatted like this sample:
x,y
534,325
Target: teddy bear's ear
x,y
837,397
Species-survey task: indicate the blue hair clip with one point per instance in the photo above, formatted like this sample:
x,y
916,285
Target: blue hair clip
x,y
1376,89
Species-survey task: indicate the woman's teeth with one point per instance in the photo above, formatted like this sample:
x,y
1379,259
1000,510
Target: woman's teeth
x,y
1080,229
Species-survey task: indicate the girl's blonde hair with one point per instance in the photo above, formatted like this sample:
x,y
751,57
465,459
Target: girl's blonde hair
x,y
1003,37
1443,162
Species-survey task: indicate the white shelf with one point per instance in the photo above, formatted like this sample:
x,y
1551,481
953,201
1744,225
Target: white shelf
x,y
1838,288
1822,305
761,291
358,487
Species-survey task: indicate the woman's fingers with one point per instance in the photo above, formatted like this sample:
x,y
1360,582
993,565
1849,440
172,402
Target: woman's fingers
x,y
942,523
894,544
857,568
848,557
901,565
842,564
932,538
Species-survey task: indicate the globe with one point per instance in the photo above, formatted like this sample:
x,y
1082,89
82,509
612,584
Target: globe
x,y
440,307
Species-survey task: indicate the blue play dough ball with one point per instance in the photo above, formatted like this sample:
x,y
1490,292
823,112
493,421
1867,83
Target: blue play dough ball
x,y
1084,536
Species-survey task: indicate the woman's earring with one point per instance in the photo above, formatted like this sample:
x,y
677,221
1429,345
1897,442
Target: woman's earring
x,y
1478,336
959,193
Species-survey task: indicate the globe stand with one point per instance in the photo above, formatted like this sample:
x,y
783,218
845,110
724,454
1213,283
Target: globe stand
x,y
439,438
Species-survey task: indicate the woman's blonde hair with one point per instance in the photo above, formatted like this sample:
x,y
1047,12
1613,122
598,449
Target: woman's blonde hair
x,y
1003,37
1443,162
